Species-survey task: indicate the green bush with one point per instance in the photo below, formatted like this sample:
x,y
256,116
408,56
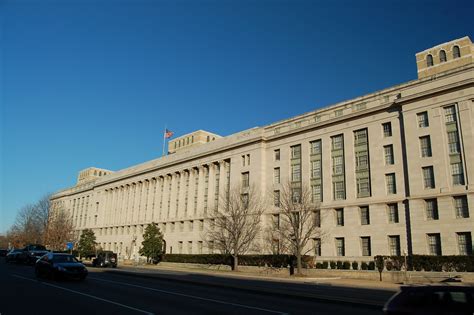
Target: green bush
x,y
346,265
319,265
431,263
371,265
355,265
332,264
339,264
325,265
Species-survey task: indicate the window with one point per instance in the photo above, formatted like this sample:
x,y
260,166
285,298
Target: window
x,y
391,184
276,175
456,52
422,119
337,142
461,207
442,56
276,198
434,244
387,129
360,136
457,173
394,245
450,114
243,160
365,244
245,200
464,243
315,169
429,61
339,190
317,218
277,155
340,248
317,247
428,177
315,147
296,195
296,152
364,215
363,187
295,172
392,213
388,152
338,112
245,179
425,146
453,142
338,165
340,217
361,160
431,206
276,221
315,193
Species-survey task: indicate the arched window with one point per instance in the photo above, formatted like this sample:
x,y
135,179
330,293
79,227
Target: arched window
x,y
429,60
442,56
456,52
100,173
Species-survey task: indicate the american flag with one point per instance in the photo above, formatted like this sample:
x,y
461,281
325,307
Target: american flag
x,y
168,133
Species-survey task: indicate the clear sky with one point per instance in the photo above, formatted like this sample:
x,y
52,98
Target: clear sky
x,y
93,82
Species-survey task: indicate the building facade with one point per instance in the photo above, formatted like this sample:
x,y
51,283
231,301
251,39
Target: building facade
x,y
391,172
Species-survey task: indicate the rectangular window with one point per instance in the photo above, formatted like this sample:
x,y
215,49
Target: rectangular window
x,y
315,147
296,152
276,198
362,160
457,174
431,206
317,218
339,190
461,207
422,119
363,187
316,193
338,112
425,146
360,136
276,175
245,200
392,213
276,221
387,129
434,244
338,165
296,195
388,152
391,184
428,177
245,179
365,244
453,142
295,172
340,217
464,243
340,248
364,215
277,155
317,247
315,169
394,245
337,142
450,114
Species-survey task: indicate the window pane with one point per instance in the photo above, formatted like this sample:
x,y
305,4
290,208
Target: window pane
x,y
461,207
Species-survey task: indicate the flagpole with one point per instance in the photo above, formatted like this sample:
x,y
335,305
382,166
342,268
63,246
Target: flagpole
x,y
164,140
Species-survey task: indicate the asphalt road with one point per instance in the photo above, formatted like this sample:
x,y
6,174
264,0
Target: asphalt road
x,y
113,293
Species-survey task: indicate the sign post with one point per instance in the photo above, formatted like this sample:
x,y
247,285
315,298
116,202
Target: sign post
x,y
70,246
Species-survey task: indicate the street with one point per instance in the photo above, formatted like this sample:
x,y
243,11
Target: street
x,y
107,292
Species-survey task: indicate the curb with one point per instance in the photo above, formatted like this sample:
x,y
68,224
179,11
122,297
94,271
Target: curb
x,y
272,292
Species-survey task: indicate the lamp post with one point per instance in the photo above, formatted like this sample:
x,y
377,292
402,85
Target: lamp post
x,y
406,265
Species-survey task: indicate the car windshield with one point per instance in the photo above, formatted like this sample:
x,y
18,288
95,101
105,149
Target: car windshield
x,y
37,247
64,259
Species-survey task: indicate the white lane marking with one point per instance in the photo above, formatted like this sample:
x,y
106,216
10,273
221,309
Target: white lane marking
x,y
192,296
85,294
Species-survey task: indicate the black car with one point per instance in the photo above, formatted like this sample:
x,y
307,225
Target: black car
x,y
432,300
31,253
105,259
3,252
14,255
56,266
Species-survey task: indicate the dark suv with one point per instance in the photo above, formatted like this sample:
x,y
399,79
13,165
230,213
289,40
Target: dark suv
x,y
105,259
31,253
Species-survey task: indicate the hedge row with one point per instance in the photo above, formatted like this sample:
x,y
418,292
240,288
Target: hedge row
x,y
430,263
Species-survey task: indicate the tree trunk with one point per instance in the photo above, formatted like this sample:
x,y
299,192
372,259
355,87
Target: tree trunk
x,y
236,262
298,264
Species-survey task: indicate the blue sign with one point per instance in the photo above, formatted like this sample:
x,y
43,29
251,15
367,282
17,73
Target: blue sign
x,y
70,245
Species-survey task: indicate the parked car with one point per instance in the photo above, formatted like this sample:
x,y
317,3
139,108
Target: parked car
x,y
3,252
105,259
57,266
31,253
14,255
432,300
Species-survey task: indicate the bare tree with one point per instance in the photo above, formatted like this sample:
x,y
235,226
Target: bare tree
x,y
299,220
60,229
237,223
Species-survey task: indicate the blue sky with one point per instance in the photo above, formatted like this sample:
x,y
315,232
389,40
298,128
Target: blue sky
x,y
93,83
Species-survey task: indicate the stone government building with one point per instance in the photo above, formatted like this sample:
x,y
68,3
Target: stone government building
x,y
391,171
